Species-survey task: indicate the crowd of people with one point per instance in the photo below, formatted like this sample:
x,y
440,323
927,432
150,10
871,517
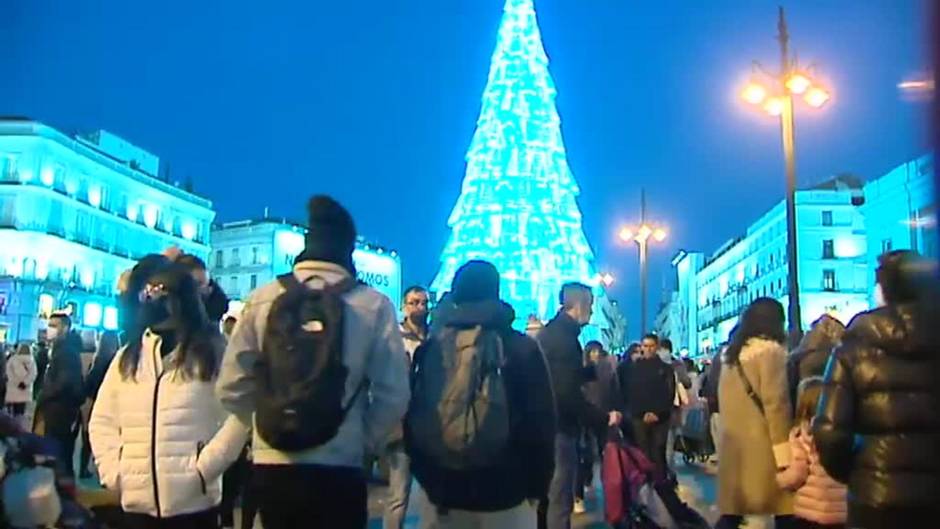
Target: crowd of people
x,y
491,428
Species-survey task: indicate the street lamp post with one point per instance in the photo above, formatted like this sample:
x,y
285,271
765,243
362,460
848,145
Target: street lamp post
x,y
641,236
778,101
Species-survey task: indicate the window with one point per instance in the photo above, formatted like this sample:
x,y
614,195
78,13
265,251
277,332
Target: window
x,y
219,258
827,218
829,251
886,246
254,282
234,283
254,256
829,280
235,259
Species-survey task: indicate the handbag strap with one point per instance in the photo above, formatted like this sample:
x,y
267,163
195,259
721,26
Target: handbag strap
x,y
749,389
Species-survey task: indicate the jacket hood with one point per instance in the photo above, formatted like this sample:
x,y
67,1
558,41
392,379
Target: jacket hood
x,y
895,329
825,334
491,313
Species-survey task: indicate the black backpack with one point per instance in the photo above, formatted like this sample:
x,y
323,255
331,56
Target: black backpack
x,y
458,417
300,371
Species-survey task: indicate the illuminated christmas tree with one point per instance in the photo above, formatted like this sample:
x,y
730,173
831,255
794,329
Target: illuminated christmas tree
x,y
517,207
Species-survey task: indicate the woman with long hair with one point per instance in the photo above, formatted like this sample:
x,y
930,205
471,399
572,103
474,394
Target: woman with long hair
x,y
756,466
878,425
159,434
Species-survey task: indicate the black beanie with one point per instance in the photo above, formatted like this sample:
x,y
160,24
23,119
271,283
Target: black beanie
x,y
475,281
331,233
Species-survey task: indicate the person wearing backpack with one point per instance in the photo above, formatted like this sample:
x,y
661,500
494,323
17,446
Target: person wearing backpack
x,y
481,424
559,342
317,364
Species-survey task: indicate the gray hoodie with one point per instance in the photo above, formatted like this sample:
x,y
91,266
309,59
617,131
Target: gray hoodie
x,y
373,351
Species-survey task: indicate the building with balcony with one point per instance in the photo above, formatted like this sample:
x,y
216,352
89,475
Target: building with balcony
x,y
75,212
831,246
247,254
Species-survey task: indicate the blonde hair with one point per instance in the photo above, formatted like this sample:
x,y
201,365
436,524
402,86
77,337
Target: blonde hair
x,y
807,399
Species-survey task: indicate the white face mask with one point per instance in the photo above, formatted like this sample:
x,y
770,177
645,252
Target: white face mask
x,y
879,296
52,333
665,356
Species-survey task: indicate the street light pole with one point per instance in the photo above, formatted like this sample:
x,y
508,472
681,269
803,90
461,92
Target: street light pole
x,y
644,273
787,133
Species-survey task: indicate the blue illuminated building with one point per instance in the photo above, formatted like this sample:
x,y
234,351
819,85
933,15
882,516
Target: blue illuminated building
x,y
831,244
75,212
517,207
249,253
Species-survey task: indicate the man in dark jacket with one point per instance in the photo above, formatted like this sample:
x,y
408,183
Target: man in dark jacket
x,y
559,342
878,426
494,496
652,390
213,297
63,392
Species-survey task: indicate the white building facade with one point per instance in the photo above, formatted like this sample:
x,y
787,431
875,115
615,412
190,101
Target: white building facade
x,y
247,254
831,247
75,212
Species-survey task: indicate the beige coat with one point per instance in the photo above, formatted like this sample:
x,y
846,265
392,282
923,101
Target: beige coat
x,y
754,445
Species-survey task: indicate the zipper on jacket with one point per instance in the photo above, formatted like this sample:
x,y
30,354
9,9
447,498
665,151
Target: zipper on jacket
x,y
153,439
202,480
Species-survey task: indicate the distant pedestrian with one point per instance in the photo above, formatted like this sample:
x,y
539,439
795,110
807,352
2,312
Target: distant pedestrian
x,y
228,326
160,438
313,421
480,428
63,391
602,390
878,424
20,376
652,393
211,294
680,399
559,342
755,464
414,332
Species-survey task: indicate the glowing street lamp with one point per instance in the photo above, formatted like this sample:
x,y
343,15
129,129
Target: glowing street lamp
x,y
641,235
607,279
778,101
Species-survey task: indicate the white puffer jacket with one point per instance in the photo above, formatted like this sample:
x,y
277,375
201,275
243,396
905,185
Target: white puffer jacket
x,y
21,369
162,440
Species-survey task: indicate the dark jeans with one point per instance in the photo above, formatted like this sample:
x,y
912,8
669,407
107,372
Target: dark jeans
x,y
200,520
233,484
651,439
311,497
59,421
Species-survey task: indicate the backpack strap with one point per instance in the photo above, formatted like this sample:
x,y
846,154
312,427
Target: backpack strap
x,y
749,389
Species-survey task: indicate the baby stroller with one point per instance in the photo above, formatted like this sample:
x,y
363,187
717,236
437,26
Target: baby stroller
x,y
694,440
635,498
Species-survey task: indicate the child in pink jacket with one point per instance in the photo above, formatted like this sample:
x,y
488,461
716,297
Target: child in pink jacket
x,y
820,500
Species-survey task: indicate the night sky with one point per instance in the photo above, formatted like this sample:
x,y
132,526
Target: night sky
x,y
375,102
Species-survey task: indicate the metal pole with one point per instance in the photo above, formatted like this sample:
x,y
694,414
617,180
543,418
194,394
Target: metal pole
x,y
786,130
643,287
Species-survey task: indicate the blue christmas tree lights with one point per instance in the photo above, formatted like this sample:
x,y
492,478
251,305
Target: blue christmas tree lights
x,y
517,207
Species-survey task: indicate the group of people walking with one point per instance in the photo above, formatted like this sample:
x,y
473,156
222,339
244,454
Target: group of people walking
x,y
491,423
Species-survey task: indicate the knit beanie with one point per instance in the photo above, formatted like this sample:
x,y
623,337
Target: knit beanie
x,y
331,234
475,281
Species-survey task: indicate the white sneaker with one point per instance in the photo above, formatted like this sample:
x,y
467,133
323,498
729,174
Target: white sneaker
x,y
579,507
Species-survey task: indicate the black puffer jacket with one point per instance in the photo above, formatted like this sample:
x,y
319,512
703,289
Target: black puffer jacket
x,y
878,424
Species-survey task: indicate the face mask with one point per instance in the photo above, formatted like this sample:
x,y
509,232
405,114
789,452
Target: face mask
x,y
52,333
665,356
155,314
